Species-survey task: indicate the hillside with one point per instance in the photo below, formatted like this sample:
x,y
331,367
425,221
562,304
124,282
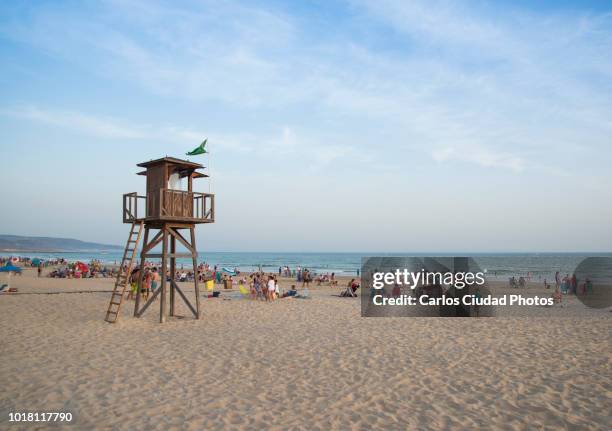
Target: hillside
x,y
41,243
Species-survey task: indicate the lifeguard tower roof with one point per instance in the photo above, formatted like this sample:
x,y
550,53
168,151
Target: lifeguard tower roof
x,y
186,168
173,160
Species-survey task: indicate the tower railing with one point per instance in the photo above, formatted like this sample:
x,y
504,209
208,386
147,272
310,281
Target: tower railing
x,y
132,202
169,205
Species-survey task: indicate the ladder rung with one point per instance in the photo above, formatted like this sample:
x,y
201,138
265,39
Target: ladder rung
x,y
123,278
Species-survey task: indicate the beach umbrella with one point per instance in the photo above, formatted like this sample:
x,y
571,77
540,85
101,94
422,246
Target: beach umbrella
x,y
9,267
36,261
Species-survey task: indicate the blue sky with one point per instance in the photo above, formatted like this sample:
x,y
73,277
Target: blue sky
x,y
333,126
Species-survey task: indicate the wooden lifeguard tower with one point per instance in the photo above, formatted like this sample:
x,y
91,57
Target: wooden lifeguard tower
x,y
166,209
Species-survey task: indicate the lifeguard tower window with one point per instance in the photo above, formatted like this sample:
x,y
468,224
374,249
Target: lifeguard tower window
x,y
174,182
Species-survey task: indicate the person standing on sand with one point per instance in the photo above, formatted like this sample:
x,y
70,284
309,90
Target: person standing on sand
x,y
271,288
557,298
39,269
146,284
396,292
154,279
133,284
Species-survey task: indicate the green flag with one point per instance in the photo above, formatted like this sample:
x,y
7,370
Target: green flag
x,y
199,149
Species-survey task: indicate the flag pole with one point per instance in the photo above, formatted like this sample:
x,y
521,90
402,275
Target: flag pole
x,y
209,174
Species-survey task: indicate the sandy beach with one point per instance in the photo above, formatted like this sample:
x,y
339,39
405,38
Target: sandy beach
x,y
301,364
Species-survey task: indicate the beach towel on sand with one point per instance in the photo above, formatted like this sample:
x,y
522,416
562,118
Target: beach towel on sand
x,y
244,291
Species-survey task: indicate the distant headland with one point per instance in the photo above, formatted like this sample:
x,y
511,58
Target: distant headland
x,y
13,243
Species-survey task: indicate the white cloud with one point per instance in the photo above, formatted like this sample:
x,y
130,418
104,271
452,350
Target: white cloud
x,y
96,126
285,142
116,129
480,156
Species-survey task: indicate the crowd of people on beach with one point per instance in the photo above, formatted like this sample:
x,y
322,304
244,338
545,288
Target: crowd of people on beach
x,y
62,268
258,285
24,261
564,285
95,269
571,285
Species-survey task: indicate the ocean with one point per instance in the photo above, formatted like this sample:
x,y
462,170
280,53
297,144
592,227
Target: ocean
x,y
497,265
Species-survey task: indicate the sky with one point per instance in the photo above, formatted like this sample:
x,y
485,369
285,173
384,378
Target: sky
x,y
362,126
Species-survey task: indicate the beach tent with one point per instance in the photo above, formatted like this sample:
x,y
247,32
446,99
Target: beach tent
x,y
83,267
9,267
229,271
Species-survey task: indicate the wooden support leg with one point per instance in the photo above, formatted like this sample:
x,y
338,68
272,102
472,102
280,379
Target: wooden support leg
x,y
164,274
182,295
194,255
149,301
172,274
141,272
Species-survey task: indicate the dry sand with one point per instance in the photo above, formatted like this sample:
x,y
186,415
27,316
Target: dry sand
x,y
300,364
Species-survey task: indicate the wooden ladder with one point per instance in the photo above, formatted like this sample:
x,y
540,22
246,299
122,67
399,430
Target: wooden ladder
x,y
129,254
